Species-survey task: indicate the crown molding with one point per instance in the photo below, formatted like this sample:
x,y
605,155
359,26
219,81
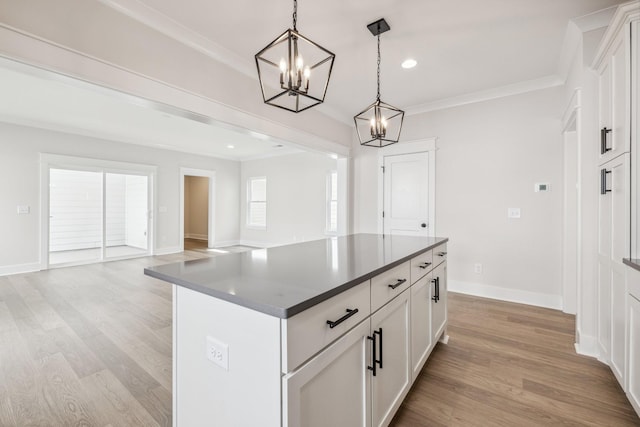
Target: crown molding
x,y
625,13
486,95
595,20
171,28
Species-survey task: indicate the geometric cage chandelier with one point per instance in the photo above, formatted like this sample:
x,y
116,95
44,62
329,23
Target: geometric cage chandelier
x,y
379,124
294,71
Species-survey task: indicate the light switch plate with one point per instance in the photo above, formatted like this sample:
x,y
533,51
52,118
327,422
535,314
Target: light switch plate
x,y
23,209
513,213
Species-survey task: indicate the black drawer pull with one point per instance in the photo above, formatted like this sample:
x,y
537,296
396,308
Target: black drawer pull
x,y
603,140
379,332
436,293
424,265
442,253
398,283
333,324
603,181
373,353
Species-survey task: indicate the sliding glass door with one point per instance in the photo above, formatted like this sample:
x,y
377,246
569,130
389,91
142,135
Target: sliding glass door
x,y
97,215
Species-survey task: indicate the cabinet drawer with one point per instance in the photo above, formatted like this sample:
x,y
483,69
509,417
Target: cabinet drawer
x,y
439,254
386,286
421,265
308,332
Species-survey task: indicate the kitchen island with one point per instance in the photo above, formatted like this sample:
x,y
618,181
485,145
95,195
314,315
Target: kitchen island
x,y
327,332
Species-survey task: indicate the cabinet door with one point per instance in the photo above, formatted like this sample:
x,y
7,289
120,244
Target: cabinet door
x,y
332,389
604,107
420,324
620,216
393,374
604,307
618,321
634,353
438,286
620,91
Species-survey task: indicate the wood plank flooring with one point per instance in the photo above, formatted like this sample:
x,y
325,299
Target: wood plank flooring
x,y
91,346
512,365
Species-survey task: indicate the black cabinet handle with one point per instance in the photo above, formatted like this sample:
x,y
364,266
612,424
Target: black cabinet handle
x,y
603,140
436,294
424,265
373,353
603,181
442,253
398,283
379,332
333,324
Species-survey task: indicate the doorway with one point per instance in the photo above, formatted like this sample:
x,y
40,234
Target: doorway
x,y
407,189
95,214
197,210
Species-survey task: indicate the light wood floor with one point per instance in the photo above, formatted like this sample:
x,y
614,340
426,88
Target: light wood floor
x,y
91,346
512,365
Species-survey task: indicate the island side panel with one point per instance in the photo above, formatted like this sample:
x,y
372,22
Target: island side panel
x,y
205,394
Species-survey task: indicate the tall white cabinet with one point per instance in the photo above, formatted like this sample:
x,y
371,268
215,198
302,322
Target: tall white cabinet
x,y
616,63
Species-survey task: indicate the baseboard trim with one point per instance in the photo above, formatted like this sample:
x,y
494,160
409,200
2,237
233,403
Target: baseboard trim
x,y
196,236
223,243
504,294
168,251
587,346
19,268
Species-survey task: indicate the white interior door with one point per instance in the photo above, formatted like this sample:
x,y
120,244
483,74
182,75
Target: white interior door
x,y
406,194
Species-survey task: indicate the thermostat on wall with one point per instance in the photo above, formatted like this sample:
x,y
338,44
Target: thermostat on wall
x,y
542,186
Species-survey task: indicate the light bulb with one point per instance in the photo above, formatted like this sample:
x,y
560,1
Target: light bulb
x,y
384,122
299,62
307,72
283,65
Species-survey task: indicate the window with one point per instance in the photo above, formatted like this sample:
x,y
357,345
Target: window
x,y
257,202
332,202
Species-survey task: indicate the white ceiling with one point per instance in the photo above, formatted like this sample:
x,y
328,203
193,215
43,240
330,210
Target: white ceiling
x,y
462,47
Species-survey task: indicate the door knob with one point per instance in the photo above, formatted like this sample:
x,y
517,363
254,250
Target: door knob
x,y
423,225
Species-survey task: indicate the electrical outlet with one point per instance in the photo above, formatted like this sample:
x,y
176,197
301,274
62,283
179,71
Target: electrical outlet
x,y
513,213
218,353
477,268
23,209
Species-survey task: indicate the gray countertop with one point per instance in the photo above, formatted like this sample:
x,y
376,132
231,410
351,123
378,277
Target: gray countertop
x,y
285,280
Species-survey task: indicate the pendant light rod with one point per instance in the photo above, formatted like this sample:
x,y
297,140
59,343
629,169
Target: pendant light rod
x,y
378,97
295,15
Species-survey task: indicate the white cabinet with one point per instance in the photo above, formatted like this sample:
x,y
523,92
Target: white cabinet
x,y
613,246
633,348
391,378
333,389
614,91
421,340
438,301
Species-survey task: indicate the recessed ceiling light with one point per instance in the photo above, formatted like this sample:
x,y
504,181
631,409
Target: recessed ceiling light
x,y
231,146
278,146
409,63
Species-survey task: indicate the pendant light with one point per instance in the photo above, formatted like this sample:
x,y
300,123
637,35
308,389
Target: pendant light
x,y
294,71
380,123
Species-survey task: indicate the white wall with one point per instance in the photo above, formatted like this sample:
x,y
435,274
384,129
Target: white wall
x,y
296,198
489,156
196,207
19,185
